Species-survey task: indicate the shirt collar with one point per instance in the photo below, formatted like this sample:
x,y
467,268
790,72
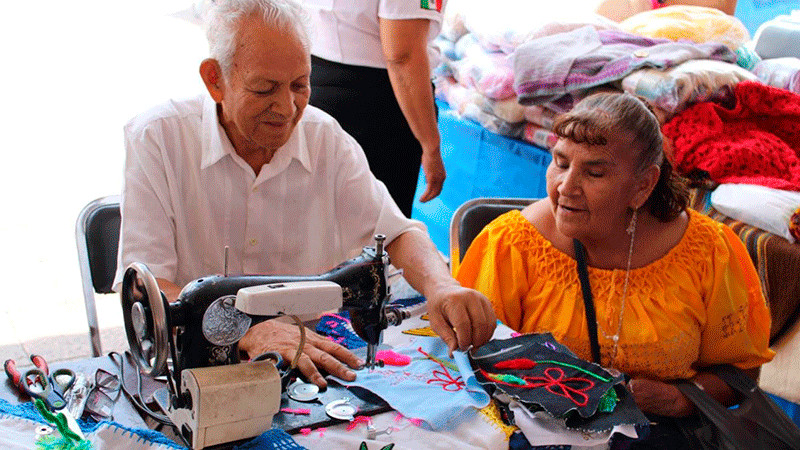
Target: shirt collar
x,y
216,145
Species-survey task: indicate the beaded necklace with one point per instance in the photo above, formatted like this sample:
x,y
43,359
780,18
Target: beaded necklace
x,y
631,230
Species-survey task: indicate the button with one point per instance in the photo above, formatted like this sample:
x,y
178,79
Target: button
x,y
253,242
641,53
255,188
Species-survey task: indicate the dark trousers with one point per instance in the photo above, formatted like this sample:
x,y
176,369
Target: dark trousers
x,y
362,101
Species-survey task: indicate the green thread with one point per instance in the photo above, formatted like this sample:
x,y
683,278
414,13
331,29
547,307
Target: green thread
x,y
60,421
608,401
447,364
507,378
61,443
606,380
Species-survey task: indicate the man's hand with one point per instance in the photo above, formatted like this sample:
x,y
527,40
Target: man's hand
x,y
433,167
461,316
275,336
660,398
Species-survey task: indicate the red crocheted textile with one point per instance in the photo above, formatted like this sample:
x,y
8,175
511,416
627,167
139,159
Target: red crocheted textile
x,y
756,142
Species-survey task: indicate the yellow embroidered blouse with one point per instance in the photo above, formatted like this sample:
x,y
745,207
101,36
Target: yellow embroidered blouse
x,y
700,304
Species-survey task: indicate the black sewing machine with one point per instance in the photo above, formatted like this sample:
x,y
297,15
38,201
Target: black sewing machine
x,y
201,329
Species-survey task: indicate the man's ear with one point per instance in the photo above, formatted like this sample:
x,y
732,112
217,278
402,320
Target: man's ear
x,y
644,186
211,73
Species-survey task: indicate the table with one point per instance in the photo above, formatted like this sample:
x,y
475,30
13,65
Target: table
x,y
479,433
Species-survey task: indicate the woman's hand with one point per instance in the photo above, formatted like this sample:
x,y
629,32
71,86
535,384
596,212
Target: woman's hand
x,y
660,398
283,338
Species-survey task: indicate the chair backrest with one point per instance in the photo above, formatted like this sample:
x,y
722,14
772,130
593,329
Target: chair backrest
x,y
98,228
97,237
470,218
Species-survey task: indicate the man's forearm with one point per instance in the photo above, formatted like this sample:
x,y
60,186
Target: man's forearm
x,y
170,289
422,264
461,317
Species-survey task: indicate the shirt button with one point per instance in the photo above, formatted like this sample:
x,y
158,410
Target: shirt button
x,y
255,188
253,242
641,53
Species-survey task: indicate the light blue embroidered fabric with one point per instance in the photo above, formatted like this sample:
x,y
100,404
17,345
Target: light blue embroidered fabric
x,y
435,388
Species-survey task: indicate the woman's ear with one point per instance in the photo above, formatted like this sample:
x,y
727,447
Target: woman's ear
x,y
211,73
644,186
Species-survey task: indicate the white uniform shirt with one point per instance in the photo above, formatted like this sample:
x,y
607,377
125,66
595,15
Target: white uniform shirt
x,y
187,195
347,31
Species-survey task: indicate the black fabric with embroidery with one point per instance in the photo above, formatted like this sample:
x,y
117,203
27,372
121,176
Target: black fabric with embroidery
x,y
542,374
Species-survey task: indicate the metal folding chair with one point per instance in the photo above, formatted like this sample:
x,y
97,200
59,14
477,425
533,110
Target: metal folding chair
x,y
470,218
97,236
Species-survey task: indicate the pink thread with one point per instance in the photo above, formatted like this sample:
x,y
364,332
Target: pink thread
x,y
516,334
393,358
337,340
519,363
357,420
322,431
399,417
296,411
305,431
335,315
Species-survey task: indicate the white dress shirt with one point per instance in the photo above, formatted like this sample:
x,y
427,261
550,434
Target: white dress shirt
x,y
187,195
347,31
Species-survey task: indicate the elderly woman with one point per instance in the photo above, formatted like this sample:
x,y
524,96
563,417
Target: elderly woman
x,y
674,291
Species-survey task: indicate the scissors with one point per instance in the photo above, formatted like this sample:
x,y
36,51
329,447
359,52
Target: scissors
x,y
61,379
38,383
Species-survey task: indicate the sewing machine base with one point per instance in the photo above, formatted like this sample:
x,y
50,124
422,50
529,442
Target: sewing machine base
x,y
368,404
223,404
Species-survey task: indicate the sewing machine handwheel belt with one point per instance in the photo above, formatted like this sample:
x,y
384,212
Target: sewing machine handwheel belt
x,y
145,319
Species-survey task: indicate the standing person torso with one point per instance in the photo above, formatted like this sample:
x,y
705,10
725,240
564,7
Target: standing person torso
x,y
347,31
351,82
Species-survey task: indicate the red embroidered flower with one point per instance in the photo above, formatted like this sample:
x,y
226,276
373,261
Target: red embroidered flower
x,y
446,380
573,388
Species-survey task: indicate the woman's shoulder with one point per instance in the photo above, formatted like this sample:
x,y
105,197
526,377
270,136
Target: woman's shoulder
x,y
514,229
700,239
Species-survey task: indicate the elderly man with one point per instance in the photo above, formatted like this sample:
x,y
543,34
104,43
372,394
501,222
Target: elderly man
x,y
250,167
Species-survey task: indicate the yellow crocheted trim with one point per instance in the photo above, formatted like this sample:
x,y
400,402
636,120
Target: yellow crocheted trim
x,y
492,415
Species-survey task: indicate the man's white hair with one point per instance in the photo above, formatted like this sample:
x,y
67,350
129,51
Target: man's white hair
x,y
223,19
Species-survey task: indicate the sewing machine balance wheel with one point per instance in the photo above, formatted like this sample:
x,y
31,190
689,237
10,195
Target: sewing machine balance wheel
x,y
145,319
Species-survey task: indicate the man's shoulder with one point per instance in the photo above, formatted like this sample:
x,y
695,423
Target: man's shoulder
x,y
170,111
315,117
318,125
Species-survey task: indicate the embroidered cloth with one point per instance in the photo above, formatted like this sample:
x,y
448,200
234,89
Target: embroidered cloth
x,y
540,373
440,390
